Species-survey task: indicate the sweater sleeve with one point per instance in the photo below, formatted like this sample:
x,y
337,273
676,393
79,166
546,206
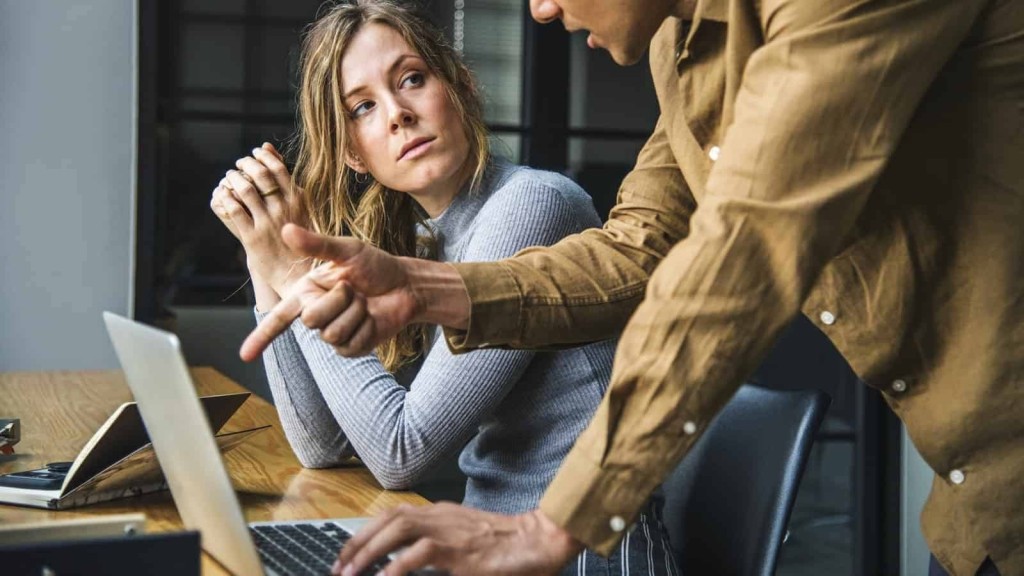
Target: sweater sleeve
x,y
311,429
400,434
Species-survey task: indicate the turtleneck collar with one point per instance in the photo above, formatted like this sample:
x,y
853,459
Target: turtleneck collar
x,y
451,226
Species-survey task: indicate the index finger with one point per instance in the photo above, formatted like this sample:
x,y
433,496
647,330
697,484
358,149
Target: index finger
x,y
367,532
273,325
384,534
271,148
274,164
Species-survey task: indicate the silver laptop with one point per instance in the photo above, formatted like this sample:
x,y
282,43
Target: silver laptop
x,y
160,381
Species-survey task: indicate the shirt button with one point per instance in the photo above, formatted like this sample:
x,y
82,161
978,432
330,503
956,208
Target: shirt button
x,y
899,386
714,152
617,524
689,428
828,318
956,477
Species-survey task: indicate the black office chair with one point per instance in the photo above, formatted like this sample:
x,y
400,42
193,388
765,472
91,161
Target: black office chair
x,y
728,502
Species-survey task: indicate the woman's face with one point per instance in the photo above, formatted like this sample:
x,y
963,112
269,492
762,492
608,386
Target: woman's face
x,y
403,128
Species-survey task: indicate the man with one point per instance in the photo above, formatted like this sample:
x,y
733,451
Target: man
x,y
859,161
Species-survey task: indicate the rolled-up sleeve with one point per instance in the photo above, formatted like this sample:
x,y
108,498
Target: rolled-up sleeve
x,y
822,106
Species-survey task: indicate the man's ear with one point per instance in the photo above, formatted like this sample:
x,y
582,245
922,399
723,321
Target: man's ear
x,y
355,162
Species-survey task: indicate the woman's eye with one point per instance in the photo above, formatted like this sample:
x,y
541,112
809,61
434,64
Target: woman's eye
x,y
412,80
361,109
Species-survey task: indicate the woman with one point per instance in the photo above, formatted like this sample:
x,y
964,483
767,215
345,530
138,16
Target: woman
x,y
388,109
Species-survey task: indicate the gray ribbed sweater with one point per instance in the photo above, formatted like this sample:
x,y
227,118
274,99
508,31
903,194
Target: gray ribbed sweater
x,y
521,411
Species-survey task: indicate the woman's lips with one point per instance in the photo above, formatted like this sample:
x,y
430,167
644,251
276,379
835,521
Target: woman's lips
x,y
417,149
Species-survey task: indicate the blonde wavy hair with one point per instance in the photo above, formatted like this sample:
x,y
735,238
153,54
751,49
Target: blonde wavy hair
x,y
380,216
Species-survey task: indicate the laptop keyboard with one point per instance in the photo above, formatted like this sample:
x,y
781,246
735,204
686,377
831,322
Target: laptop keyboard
x,y
301,549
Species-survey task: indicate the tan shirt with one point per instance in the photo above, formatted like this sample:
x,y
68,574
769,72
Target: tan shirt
x,y
860,161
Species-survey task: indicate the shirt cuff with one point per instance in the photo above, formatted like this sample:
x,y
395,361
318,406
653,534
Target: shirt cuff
x,y
596,505
496,307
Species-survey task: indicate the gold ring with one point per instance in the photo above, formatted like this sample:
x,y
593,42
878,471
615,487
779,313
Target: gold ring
x,y
246,176
270,192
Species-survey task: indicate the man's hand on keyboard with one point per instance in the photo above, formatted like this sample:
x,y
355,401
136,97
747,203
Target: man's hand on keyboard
x,y
460,541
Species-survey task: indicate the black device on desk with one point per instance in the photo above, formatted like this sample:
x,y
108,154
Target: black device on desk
x,y
49,478
164,554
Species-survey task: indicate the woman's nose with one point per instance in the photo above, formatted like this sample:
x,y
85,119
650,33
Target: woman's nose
x,y
401,116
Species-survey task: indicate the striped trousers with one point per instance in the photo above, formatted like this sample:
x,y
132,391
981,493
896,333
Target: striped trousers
x,y
644,551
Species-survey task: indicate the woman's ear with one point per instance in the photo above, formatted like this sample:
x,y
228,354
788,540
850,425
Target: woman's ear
x,y
356,163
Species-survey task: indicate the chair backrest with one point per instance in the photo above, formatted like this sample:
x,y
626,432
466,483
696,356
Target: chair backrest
x,y
728,502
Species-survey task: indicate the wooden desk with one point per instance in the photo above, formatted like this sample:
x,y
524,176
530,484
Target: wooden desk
x,y
60,411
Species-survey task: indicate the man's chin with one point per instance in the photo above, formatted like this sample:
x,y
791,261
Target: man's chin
x,y
627,56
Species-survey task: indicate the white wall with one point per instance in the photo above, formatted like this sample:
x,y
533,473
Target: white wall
x,y
67,142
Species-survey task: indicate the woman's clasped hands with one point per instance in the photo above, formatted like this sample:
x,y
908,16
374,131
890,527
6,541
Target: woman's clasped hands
x,y
254,201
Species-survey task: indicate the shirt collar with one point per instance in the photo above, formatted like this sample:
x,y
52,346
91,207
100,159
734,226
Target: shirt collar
x,y
716,10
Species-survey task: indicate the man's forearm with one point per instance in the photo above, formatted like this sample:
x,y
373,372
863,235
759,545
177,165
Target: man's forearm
x,y
440,294
585,287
